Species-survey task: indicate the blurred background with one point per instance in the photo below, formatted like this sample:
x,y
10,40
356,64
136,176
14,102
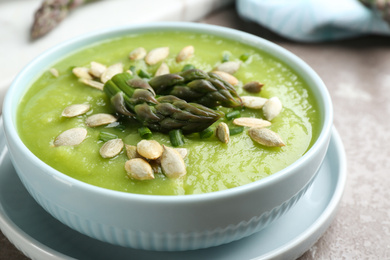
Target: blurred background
x,y
346,42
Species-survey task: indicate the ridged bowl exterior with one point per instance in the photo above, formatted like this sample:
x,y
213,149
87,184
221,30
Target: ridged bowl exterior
x,y
165,223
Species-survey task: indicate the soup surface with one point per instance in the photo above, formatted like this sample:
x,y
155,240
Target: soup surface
x,y
211,165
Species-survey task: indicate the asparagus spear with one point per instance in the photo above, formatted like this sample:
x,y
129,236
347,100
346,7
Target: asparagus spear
x,y
197,86
51,13
135,98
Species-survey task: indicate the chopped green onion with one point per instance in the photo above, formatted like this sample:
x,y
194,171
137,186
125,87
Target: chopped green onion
x,y
232,115
245,56
208,132
236,130
143,74
188,67
225,57
145,132
106,136
176,137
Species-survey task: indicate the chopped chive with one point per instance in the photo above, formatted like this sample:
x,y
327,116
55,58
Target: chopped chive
x,y
236,130
225,57
143,74
145,132
176,137
245,56
106,136
232,115
208,132
188,67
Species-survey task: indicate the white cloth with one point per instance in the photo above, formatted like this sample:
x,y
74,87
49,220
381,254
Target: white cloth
x,y
16,18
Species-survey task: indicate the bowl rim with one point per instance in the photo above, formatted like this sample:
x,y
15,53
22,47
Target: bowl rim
x,y
44,60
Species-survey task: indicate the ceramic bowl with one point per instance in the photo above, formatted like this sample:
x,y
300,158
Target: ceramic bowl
x,y
165,223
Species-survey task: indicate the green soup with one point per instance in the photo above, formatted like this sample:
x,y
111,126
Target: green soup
x,y
211,164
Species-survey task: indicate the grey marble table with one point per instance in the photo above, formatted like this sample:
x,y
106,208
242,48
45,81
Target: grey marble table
x,y
357,74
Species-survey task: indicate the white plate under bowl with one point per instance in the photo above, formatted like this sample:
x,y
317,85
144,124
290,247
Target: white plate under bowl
x,y
39,236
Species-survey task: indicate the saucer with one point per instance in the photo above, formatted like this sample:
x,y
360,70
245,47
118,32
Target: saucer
x,y
39,236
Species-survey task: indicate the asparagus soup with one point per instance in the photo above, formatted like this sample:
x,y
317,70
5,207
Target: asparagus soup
x,y
169,113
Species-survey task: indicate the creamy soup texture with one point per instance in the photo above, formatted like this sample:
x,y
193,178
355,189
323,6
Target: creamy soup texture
x,y
211,164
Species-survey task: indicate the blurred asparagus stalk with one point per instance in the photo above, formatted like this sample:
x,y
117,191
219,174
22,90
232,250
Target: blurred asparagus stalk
x,y
51,13
382,6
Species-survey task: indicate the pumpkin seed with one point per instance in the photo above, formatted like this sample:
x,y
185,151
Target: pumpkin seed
x,y
172,163
75,110
71,137
100,119
97,69
162,70
137,54
92,83
222,132
253,102
185,53
251,122
131,151
156,55
253,87
111,71
182,151
230,67
81,73
139,169
272,108
149,149
266,137
111,148
227,77
54,72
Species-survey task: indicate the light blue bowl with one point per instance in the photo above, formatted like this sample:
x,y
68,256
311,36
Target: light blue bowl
x,y
166,223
